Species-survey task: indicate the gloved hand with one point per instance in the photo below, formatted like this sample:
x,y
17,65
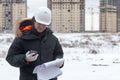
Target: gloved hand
x,y
31,56
61,62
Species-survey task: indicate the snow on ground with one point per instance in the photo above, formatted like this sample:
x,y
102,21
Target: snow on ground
x,y
88,56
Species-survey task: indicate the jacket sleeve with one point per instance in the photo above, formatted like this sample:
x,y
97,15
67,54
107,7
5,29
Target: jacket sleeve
x,y
15,56
58,52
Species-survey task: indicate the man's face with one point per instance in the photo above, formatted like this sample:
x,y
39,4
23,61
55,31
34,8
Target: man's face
x,y
39,27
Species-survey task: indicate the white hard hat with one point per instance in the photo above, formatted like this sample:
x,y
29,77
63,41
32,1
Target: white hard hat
x,y
43,15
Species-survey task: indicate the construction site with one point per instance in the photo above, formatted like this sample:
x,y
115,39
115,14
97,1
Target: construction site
x,y
67,15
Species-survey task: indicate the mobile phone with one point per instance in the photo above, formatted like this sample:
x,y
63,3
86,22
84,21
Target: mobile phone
x,y
32,51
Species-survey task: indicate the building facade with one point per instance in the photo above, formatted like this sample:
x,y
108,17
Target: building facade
x,y
10,12
67,15
110,15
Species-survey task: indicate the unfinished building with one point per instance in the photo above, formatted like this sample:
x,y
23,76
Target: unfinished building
x,y
67,15
10,11
109,15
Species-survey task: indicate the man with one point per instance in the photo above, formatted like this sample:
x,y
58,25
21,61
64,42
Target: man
x,y
34,44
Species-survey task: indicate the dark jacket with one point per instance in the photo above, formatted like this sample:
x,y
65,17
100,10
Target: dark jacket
x,y
45,43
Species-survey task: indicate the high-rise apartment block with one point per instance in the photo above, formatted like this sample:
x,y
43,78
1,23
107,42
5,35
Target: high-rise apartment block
x,y
67,15
10,12
110,15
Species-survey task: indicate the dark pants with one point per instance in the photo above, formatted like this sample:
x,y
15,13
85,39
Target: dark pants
x,y
54,79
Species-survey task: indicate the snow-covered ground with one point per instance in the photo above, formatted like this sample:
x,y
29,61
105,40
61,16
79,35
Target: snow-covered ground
x,y
88,56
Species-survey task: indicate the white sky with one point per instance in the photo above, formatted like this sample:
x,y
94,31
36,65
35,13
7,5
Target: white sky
x,y
92,20
36,3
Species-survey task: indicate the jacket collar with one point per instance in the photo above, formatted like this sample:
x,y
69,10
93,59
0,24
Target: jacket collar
x,y
29,35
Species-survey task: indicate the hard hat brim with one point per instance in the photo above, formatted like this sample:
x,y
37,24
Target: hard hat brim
x,y
41,22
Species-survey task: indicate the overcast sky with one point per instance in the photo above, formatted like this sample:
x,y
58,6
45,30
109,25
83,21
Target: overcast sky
x,y
36,3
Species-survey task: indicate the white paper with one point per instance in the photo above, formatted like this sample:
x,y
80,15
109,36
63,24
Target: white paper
x,y
57,62
49,70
